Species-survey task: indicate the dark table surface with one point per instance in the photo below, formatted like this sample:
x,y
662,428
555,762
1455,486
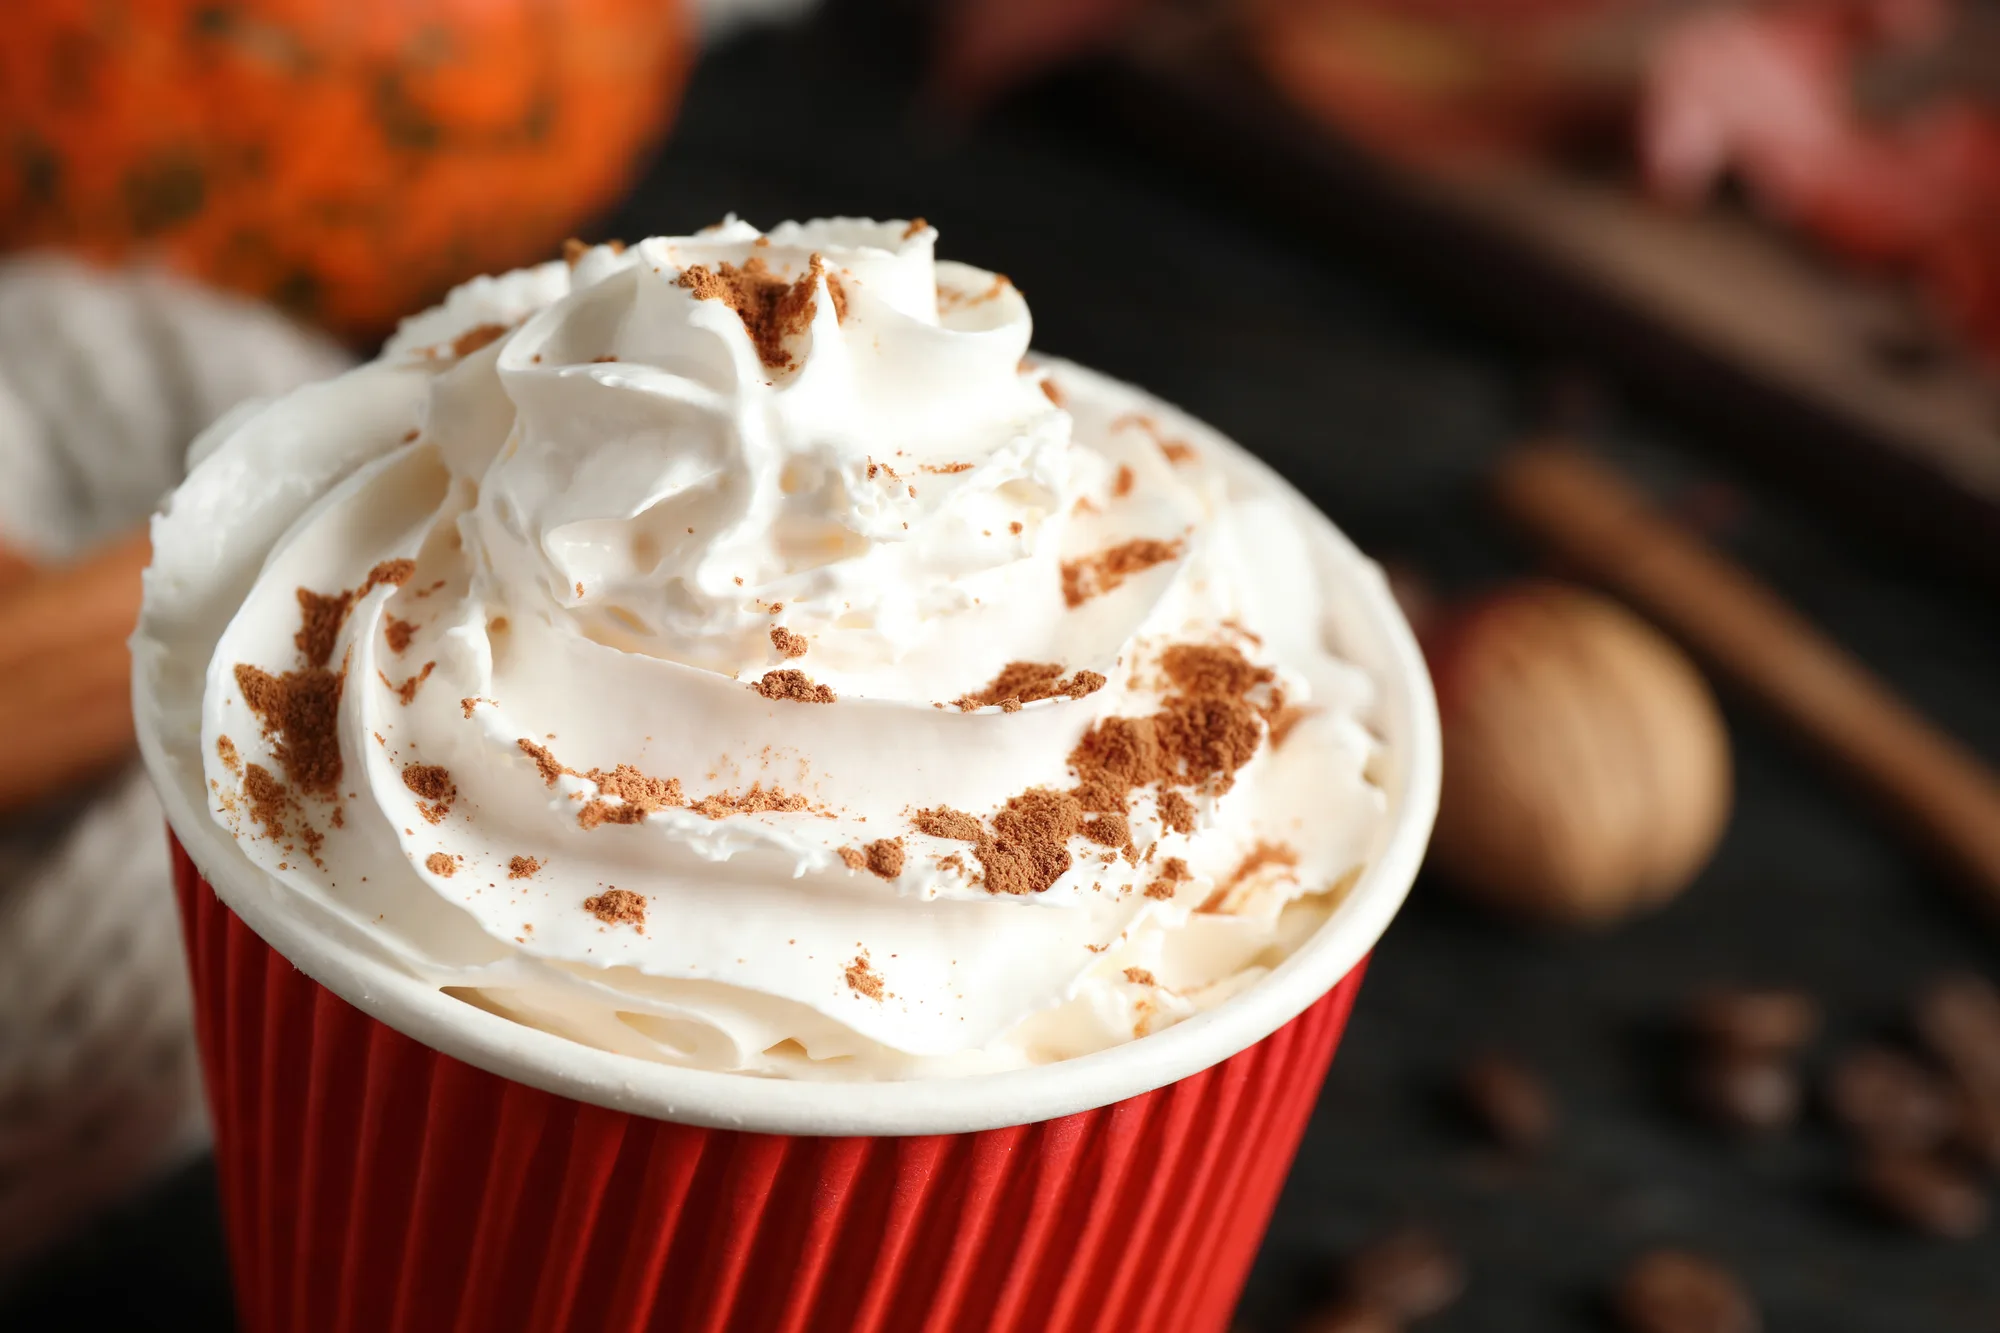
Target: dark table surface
x,y
1385,410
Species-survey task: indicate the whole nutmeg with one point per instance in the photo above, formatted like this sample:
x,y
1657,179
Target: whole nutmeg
x,y
1586,768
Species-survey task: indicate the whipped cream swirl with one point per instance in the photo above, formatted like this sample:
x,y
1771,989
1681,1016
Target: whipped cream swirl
x,y
730,650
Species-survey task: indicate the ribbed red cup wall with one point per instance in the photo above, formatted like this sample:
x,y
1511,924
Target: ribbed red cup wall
x,y
370,1184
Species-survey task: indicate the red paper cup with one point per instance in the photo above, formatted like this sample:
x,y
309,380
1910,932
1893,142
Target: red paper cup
x,y
372,1183
393,1158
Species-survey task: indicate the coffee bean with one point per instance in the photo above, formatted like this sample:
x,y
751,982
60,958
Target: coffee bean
x,y
1348,1319
1672,1291
1888,1100
1979,1125
1958,1017
1746,1090
1751,1020
1926,1194
1509,1102
1407,1274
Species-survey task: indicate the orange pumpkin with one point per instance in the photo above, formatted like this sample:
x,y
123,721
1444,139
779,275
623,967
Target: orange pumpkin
x,y
349,159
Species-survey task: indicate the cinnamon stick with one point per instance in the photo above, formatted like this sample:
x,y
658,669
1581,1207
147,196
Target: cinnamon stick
x,y
1935,789
65,672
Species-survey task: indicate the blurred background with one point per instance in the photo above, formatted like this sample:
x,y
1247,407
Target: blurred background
x,y
1652,345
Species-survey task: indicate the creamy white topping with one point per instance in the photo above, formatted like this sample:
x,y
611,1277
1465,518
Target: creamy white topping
x,y
586,511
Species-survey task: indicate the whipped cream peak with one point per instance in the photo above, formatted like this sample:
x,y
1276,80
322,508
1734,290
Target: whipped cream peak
x,y
819,419
732,649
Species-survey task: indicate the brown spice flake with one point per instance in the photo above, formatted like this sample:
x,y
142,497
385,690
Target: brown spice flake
x,y
300,713
434,790
407,691
1176,812
885,857
1139,976
523,867
793,685
1027,682
787,643
1053,393
441,865
635,788
854,858
270,800
544,761
320,619
946,469
1173,873
476,337
225,750
1176,451
398,633
618,907
862,979
1092,575
916,225
771,308
1121,485
394,573
1284,719
757,801
1260,858
944,822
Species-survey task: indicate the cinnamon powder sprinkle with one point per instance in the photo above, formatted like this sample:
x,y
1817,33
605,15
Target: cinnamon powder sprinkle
x,y
270,801
862,979
441,865
1028,682
945,822
854,858
1052,393
544,761
523,867
1173,872
788,643
395,573
1121,485
885,857
398,633
1139,976
1202,734
618,907
225,750
434,790
300,713
1027,849
771,308
1261,857
793,685
320,619
407,691
916,225
1092,575
757,801
476,337
946,469
1284,719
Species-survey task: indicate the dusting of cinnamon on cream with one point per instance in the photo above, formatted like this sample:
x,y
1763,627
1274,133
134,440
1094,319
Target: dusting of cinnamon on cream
x,y
771,308
618,907
1093,575
793,685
